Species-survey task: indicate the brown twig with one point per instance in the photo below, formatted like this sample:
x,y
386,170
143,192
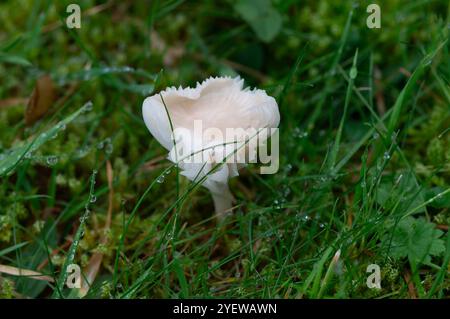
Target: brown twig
x,y
53,253
411,289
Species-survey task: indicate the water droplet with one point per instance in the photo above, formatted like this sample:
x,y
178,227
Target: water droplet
x,y
386,156
93,199
88,107
298,133
268,234
276,204
324,179
100,145
128,69
322,225
375,136
160,179
427,62
394,136
288,168
51,160
28,155
109,149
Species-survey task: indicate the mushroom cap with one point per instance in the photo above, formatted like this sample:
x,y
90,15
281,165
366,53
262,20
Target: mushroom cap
x,y
218,102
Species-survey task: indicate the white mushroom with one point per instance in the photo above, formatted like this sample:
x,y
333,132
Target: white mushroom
x,y
201,119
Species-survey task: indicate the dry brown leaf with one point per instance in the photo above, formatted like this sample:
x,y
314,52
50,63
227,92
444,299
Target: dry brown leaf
x,y
41,99
14,271
13,102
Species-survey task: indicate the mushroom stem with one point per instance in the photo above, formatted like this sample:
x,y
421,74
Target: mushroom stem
x,y
223,200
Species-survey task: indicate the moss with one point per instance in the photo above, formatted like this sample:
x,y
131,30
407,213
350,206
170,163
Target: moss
x,y
6,288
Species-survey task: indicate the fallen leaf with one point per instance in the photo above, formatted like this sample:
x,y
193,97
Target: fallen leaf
x,y
41,99
14,271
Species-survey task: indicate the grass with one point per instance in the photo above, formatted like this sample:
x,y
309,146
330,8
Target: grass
x,y
364,168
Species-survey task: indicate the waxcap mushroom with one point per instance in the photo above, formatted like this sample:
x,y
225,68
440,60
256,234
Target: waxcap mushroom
x,y
218,105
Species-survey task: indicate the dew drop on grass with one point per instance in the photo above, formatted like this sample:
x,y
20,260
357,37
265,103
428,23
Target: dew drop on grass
x,y
386,156
51,160
88,107
82,152
277,204
298,133
323,179
286,191
427,61
109,149
288,168
93,199
160,179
